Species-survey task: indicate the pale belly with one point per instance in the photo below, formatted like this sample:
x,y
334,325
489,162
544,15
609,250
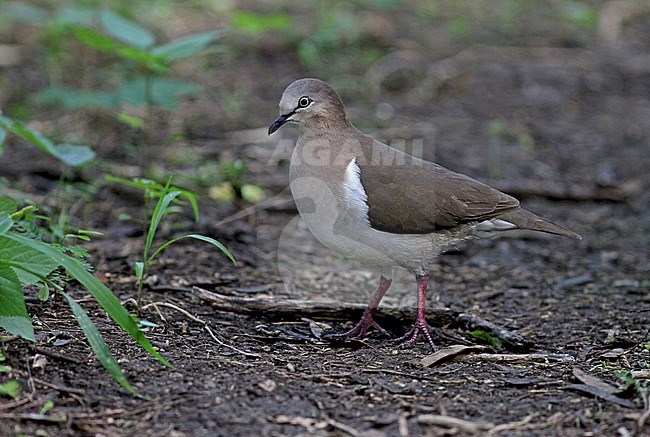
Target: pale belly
x,y
347,232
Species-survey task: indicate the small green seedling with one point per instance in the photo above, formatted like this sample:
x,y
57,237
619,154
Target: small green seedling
x,y
165,195
490,339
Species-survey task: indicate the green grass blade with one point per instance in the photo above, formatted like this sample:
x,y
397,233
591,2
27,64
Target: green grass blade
x,y
141,183
139,270
157,189
197,237
192,199
159,212
99,291
98,345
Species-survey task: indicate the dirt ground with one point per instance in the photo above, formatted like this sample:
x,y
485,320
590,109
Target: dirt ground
x,y
563,126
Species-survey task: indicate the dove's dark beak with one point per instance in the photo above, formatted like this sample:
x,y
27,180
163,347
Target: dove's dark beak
x,y
279,122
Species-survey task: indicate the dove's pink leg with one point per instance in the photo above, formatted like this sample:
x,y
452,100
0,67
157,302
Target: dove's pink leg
x,y
367,319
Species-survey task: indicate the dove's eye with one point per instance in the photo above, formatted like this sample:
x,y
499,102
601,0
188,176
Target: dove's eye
x,y
304,102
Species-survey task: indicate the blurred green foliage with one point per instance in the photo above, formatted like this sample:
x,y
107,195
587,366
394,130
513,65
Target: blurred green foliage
x,y
139,69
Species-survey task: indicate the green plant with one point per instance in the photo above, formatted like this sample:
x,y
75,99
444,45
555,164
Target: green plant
x,y
165,195
630,381
28,261
68,196
489,339
255,24
129,47
70,154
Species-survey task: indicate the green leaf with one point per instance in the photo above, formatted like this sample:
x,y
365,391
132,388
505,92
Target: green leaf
x,y
130,120
190,197
28,134
152,63
139,270
67,153
103,43
98,345
73,154
13,313
74,15
257,24
43,292
29,264
191,45
7,206
158,213
163,92
196,237
47,406
95,40
11,389
156,189
72,98
126,31
23,12
5,224
482,335
141,183
99,291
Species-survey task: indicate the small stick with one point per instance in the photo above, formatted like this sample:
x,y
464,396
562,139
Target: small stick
x,y
174,307
61,388
246,354
53,354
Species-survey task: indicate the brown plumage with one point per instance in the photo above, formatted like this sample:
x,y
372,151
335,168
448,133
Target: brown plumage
x,y
370,202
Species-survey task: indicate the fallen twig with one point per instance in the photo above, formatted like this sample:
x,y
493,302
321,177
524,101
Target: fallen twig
x,y
511,425
52,354
452,422
61,388
449,353
514,358
286,309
